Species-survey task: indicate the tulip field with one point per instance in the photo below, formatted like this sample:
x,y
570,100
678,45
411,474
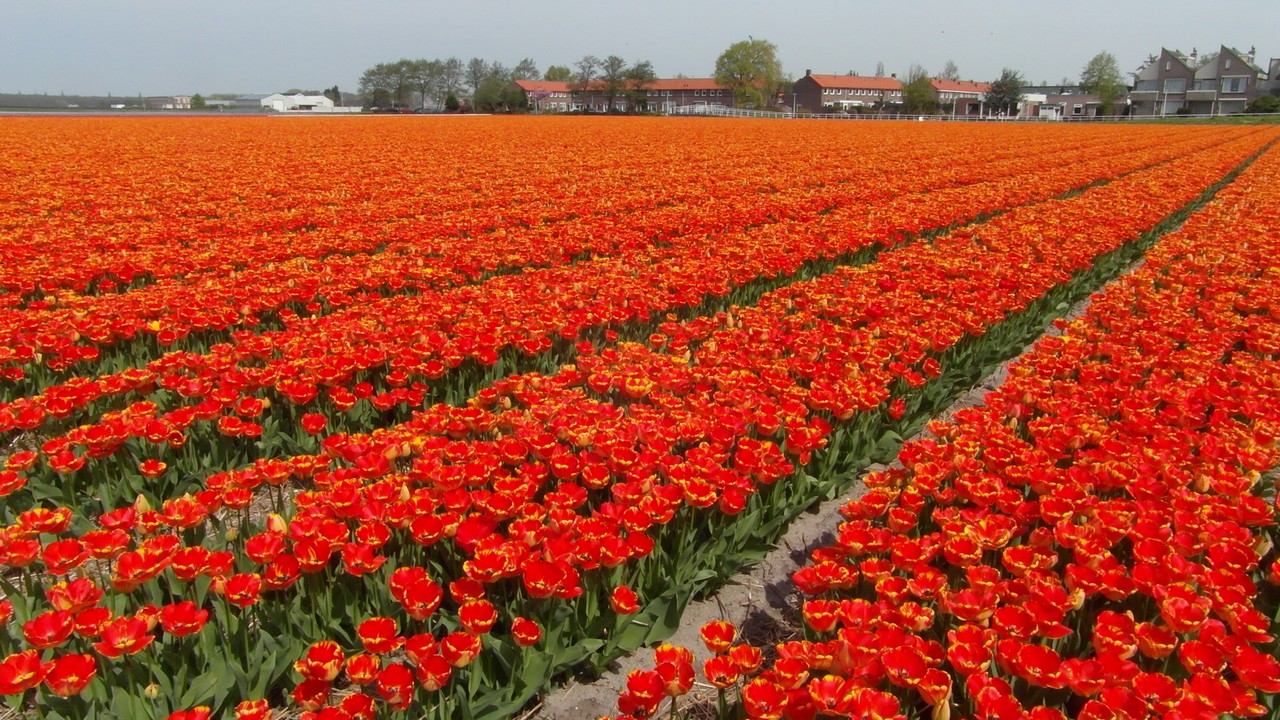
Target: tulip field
x,y
337,418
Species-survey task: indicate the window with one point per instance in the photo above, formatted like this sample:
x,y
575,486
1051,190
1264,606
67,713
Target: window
x,y
1234,84
1228,65
1168,65
1175,85
1077,109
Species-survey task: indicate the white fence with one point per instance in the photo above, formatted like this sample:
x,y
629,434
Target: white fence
x,y
722,111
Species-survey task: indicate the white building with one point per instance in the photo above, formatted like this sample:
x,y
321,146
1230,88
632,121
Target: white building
x,y
299,102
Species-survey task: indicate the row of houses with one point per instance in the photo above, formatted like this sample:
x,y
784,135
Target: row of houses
x,y
664,95
1221,83
1217,84
815,93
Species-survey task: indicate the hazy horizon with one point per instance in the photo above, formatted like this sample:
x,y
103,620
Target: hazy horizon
x,y
132,47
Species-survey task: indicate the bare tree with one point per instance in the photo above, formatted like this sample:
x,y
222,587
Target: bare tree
x,y
613,73
451,80
949,72
425,78
640,78
587,68
914,73
879,69
526,69
477,70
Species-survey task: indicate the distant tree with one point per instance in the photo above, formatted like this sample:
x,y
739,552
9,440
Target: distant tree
x,y
451,79
1005,94
879,69
585,72
949,72
424,79
640,77
1101,76
377,85
334,94
489,97
558,73
197,102
751,70
613,75
475,74
918,94
526,69
498,70
451,103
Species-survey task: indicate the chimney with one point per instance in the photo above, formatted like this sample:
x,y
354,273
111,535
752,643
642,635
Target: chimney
x,y
807,72
893,75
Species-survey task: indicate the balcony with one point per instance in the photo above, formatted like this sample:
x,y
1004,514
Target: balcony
x,y
1202,95
1144,95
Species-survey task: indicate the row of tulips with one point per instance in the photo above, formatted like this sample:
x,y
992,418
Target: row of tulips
x,y
78,329
250,274
387,355
513,537
1097,540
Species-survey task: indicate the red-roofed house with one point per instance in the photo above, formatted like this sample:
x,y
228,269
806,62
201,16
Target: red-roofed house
x,y
965,97
821,92
663,95
546,95
667,95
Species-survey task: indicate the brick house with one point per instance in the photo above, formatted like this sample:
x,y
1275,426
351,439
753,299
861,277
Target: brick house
x,y
546,95
1067,102
664,94
1226,83
667,95
1272,85
964,97
819,93
1180,84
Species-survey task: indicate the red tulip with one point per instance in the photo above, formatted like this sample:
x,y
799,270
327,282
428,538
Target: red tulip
x,y
70,674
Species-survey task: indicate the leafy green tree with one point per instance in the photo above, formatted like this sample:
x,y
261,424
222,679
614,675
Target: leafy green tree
x,y
334,94
378,85
918,94
451,103
1005,94
1263,104
1101,76
197,102
751,70
489,97
558,73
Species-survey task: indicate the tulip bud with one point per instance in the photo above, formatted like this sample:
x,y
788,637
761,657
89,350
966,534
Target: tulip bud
x,y
152,691
140,503
277,524
231,534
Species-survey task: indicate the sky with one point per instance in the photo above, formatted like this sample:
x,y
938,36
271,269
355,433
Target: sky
x,y
170,47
